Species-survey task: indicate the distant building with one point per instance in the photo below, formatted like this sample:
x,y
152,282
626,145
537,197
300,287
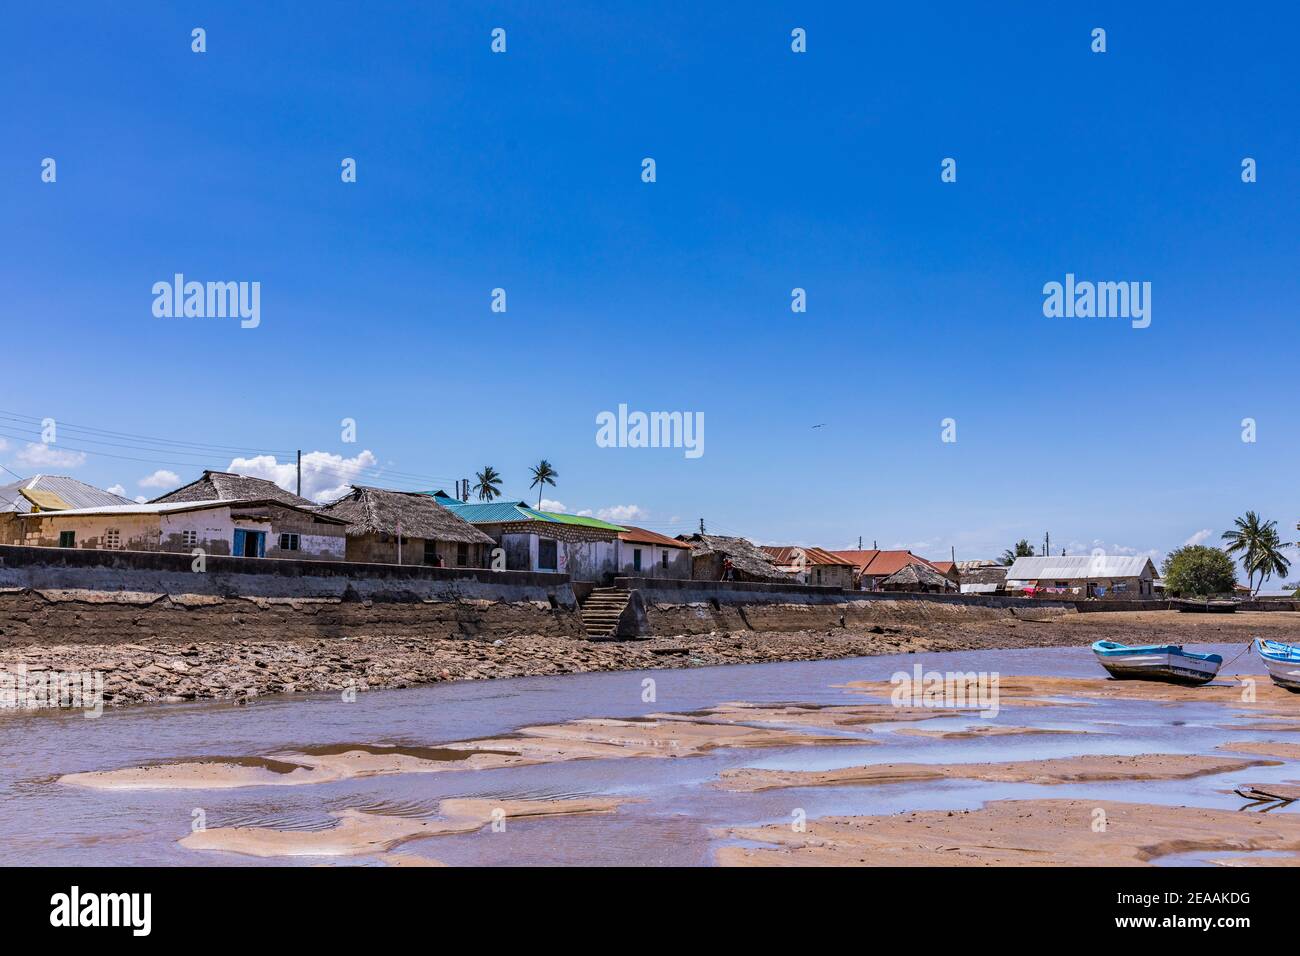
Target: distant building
x,y
407,527
587,549
47,493
917,578
981,577
648,554
713,554
1095,576
227,486
251,529
813,566
872,566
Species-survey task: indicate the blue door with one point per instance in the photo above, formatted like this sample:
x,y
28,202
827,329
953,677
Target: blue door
x,y
249,544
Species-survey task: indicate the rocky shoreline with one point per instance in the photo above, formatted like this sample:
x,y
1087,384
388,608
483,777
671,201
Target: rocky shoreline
x,y
239,669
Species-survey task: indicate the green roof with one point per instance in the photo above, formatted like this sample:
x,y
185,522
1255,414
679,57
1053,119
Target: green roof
x,y
579,520
497,512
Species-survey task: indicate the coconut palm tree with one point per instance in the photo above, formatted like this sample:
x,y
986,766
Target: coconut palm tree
x,y
543,475
1260,548
1023,549
489,484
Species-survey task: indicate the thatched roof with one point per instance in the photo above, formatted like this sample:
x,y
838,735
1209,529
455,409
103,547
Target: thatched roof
x,y
988,574
226,486
917,576
746,557
380,511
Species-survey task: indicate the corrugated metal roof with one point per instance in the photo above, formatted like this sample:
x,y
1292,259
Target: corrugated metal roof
x,y
44,500
1066,568
635,535
580,520
171,507
785,556
77,494
491,512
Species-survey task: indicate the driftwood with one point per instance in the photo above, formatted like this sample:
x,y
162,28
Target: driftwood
x,y
1273,794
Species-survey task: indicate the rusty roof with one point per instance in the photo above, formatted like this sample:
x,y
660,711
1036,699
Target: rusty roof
x,y
643,536
876,562
786,556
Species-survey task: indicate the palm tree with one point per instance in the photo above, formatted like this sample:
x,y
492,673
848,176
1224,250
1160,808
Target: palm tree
x,y
1260,548
543,475
1023,549
489,484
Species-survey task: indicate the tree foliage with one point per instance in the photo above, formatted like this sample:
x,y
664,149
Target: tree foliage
x,y
1197,570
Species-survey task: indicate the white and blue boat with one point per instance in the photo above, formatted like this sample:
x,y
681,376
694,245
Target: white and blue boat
x,y
1169,663
1282,661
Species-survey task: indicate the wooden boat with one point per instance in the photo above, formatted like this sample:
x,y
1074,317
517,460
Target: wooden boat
x,y
1189,606
1159,662
1282,661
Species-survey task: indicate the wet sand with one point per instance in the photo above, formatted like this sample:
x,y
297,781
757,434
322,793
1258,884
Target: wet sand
x,y
357,833
1019,833
1061,770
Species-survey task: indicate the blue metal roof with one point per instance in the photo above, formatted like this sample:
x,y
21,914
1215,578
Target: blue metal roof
x,y
492,512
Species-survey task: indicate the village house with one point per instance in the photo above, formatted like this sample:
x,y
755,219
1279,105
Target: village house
x,y
813,566
712,555
46,493
648,554
981,577
1094,576
407,527
917,577
227,486
587,549
873,566
251,529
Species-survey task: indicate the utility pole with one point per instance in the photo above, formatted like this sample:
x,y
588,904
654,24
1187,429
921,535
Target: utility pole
x,y
859,542
299,472
701,526
1047,544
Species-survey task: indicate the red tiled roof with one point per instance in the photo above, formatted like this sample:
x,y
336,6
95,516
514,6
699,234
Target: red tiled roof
x,y
642,536
784,557
876,563
943,567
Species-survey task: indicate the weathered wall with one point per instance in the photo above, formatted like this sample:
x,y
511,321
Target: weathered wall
x,y
382,549
100,617
652,564
165,573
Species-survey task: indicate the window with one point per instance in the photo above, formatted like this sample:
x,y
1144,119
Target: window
x,y
462,554
547,554
663,560
112,538
189,538
289,542
67,539
636,558
431,553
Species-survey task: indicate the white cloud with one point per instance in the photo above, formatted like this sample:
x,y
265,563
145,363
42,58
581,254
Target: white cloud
x,y
116,490
39,455
140,499
1199,537
325,476
162,478
621,513
3,444
549,505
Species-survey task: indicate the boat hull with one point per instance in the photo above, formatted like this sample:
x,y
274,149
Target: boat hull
x,y
1285,673
1169,665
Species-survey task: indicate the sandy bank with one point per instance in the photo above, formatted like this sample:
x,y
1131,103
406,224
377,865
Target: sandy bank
x,y
1090,768
1018,833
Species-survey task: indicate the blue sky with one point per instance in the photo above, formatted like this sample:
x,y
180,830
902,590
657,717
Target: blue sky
x,y
775,170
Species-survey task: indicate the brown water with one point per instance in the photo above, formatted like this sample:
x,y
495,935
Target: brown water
x,y
673,807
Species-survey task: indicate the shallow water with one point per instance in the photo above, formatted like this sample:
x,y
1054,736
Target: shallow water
x,y
675,806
